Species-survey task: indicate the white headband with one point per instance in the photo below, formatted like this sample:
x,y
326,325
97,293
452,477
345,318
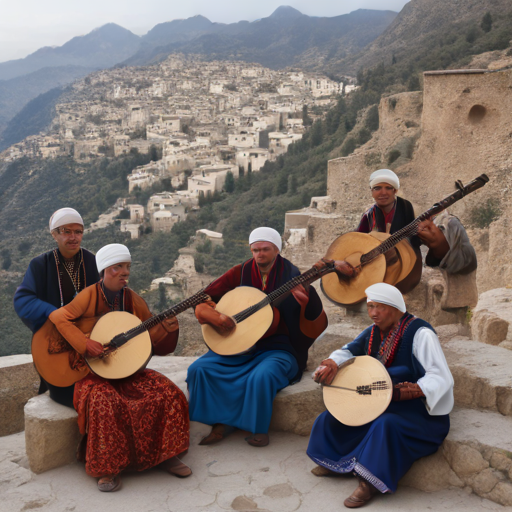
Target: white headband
x,y
65,216
386,294
266,235
384,176
112,254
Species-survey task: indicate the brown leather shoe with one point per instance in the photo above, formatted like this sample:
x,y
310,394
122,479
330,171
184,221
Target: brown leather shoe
x,y
218,433
362,495
322,471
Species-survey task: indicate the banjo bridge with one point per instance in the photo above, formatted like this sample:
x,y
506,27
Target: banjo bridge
x,y
379,385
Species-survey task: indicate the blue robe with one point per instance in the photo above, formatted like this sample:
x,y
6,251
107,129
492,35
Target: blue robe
x,y
240,390
383,450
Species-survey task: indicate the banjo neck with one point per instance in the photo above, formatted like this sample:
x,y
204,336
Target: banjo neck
x,y
307,277
412,228
124,337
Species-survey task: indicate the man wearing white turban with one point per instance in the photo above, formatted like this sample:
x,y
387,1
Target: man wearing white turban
x,y
53,279
134,423
416,421
231,392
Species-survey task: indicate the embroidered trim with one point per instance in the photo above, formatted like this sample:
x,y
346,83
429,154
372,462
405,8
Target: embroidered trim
x,y
360,470
351,465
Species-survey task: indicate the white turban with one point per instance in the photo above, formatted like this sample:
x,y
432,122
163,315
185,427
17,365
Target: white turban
x,y
266,235
112,254
386,294
65,216
384,176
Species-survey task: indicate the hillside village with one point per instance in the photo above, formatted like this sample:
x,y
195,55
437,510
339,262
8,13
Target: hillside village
x,y
205,119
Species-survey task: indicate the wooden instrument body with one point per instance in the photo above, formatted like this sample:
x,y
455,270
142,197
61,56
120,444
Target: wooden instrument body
x,y
131,357
352,408
123,362
246,333
54,368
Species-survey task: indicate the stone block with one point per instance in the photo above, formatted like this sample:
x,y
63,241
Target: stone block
x,y
296,407
463,459
19,382
501,461
431,474
501,494
483,482
51,434
487,327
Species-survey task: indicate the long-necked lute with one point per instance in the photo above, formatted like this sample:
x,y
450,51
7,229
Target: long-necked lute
x,y
366,252
127,338
253,312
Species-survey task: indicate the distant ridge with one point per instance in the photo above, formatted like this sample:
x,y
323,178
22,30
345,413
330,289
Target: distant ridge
x,y
417,25
101,48
285,38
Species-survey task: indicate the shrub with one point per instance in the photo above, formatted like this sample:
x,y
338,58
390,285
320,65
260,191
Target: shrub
x,y
393,155
482,216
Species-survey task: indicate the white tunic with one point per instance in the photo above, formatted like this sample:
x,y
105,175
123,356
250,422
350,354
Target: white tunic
x,y
437,383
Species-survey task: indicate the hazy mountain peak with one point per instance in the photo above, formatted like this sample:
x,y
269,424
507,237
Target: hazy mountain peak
x,y
285,11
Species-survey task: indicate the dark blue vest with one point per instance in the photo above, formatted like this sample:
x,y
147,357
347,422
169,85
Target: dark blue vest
x,y
405,367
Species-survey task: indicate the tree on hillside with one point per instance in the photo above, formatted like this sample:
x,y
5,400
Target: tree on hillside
x,y
229,184
306,120
486,24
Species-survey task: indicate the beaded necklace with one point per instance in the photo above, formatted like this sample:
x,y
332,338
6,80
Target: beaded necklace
x,y
389,346
118,299
73,274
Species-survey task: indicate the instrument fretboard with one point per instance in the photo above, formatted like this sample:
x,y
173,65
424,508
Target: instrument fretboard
x,y
307,277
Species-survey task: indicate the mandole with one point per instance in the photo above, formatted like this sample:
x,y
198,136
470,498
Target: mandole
x,y
252,311
125,335
360,392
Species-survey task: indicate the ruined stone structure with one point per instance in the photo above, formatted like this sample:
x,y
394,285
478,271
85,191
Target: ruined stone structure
x,y
456,129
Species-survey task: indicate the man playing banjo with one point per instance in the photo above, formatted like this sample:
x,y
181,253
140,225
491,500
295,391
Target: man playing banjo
x,y
415,423
136,422
238,391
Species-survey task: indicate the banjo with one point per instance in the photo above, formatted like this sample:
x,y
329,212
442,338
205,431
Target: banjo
x,y
360,392
366,252
124,335
252,311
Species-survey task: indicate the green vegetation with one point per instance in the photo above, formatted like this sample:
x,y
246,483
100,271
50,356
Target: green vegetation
x,y
482,216
447,49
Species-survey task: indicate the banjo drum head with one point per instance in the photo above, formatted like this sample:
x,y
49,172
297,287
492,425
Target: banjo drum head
x,y
352,408
350,247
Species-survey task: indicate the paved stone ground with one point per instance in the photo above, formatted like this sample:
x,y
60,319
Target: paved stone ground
x,y
229,476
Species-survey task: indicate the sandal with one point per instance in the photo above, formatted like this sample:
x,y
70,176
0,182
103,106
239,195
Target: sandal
x,y
322,471
176,467
218,433
258,440
109,483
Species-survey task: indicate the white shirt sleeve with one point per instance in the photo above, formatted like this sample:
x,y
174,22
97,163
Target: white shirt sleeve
x,y
437,384
341,355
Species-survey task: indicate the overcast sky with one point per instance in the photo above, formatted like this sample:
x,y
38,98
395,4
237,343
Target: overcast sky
x,y
26,25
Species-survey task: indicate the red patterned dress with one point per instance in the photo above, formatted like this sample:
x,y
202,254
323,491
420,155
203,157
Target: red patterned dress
x,y
133,423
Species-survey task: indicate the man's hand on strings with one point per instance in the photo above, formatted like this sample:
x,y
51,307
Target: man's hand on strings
x,y
171,324
93,348
207,314
301,294
326,372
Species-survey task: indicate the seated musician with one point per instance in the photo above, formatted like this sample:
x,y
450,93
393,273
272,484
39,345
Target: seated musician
x,y
446,238
416,422
230,392
133,423
53,279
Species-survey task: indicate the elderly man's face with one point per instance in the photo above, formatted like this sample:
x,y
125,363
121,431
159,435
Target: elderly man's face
x,y
68,238
383,316
116,276
264,253
384,194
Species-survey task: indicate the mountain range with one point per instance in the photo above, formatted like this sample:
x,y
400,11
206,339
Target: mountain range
x,y
285,38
